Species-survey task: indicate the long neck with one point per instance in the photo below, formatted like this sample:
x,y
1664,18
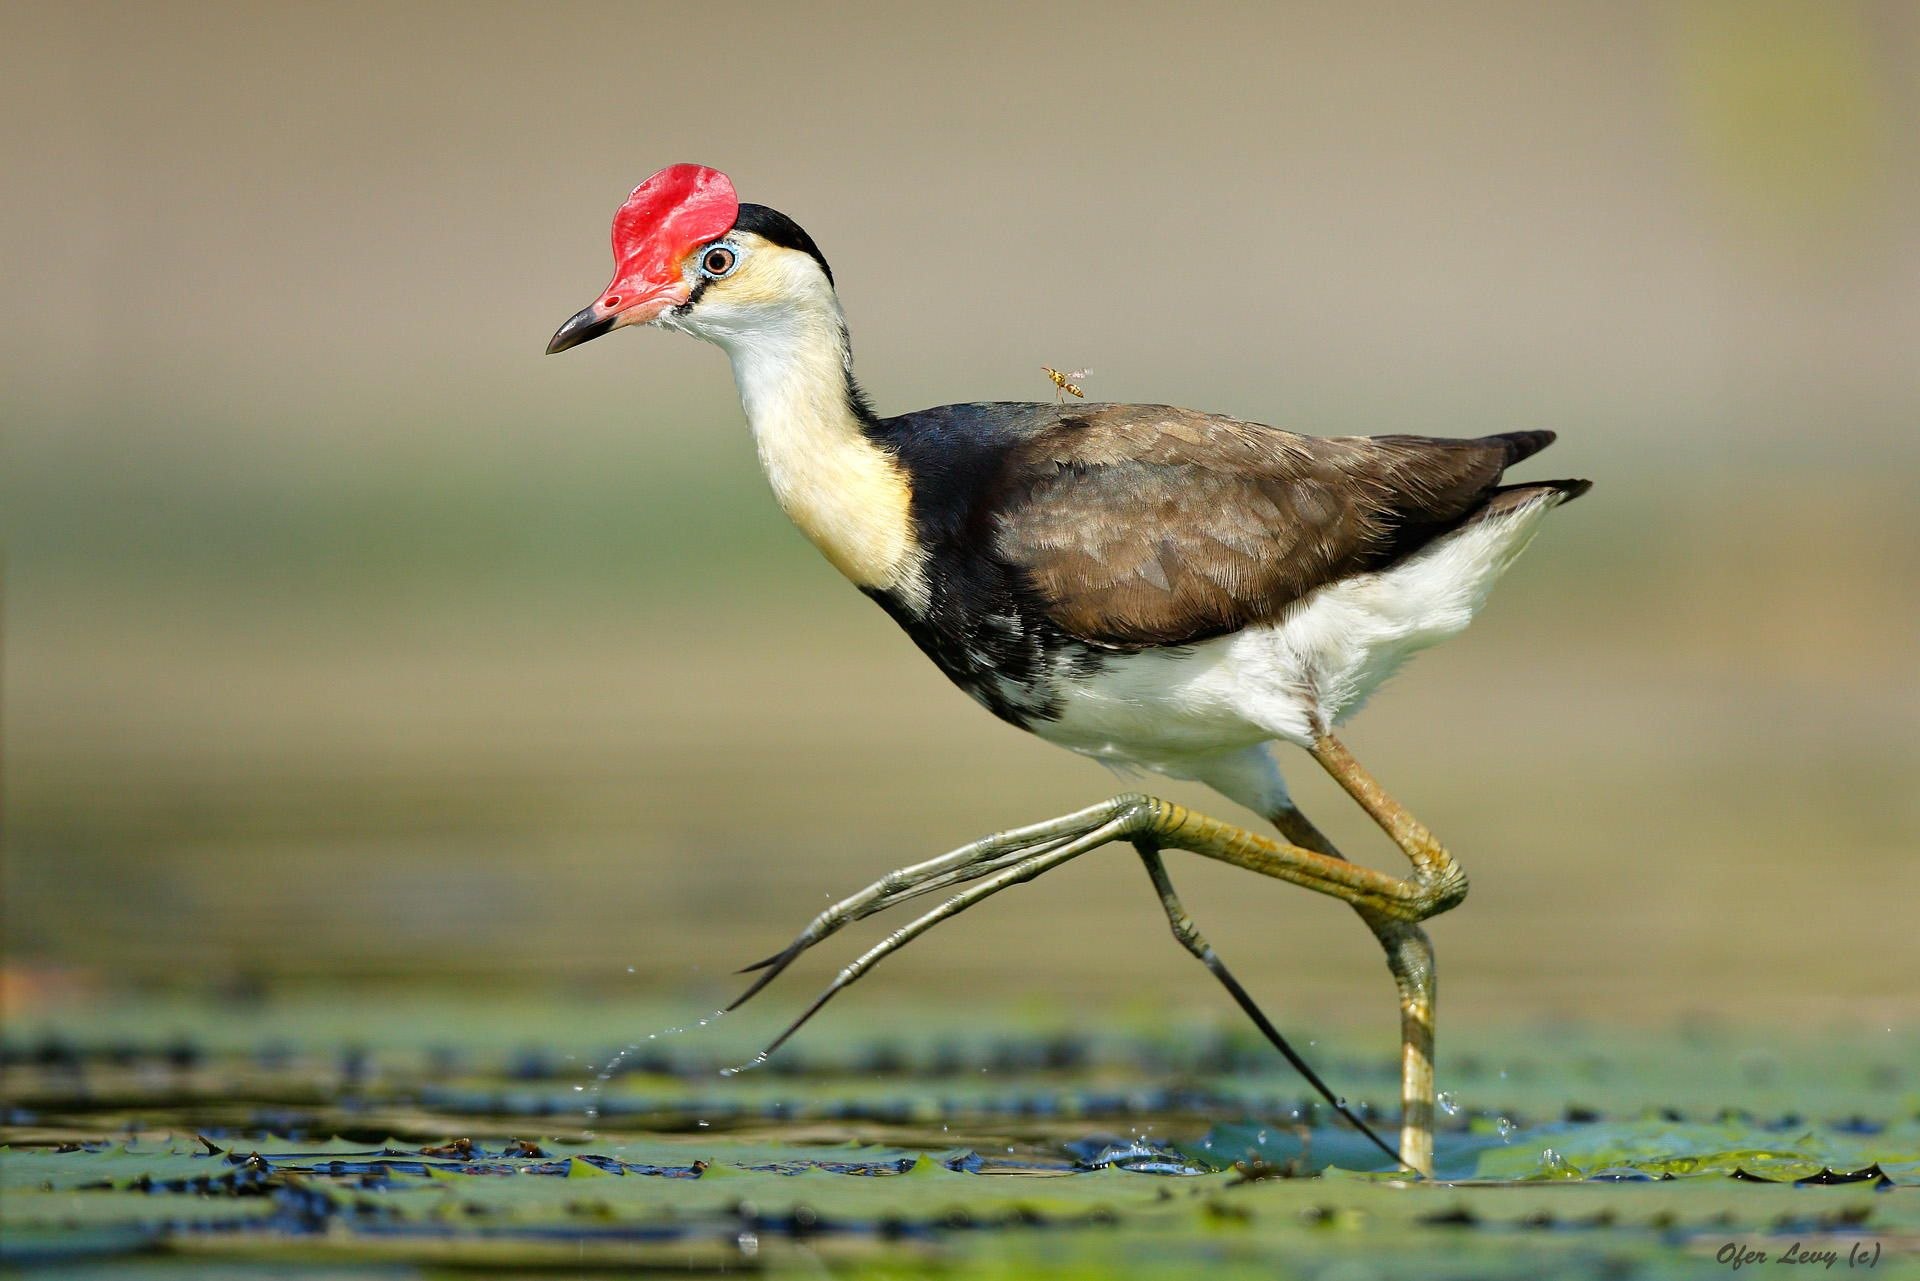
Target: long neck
x,y
846,493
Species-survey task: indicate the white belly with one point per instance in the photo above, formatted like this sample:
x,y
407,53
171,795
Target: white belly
x,y
1293,679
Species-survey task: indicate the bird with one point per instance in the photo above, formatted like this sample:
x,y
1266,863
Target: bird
x,y
1157,588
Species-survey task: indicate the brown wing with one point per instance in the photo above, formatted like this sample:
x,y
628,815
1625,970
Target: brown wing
x,y
1144,525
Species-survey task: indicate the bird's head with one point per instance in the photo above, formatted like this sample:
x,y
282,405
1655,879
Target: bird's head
x,y
689,256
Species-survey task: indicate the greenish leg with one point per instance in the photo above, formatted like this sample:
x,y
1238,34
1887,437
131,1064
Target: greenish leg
x,y
1409,951
1010,858
1188,935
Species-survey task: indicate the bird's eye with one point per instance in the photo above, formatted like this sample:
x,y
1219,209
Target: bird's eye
x,y
718,261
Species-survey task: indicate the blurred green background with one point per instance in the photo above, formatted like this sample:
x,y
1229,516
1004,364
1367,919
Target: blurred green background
x,y
349,641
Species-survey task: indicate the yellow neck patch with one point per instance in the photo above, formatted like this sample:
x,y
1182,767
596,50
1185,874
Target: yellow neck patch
x,y
846,494
849,496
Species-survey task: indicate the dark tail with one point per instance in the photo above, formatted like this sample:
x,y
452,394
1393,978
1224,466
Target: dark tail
x,y
1521,445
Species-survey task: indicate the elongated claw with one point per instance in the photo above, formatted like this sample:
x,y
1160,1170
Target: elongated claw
x,y
800,1022
969,862
1022,870
771,968
1190,938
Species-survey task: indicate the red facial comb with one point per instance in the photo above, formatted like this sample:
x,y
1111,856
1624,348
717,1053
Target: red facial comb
x,y
671,213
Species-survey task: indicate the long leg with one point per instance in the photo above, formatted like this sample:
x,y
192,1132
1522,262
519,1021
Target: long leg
x,y
1410,958
1409,951
1010,858
1189,937
1432,865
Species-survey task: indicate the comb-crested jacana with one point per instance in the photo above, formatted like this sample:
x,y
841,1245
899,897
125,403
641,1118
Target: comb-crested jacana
x,y
1145,585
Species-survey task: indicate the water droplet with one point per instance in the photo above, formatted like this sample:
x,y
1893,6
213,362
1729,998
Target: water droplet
x,y
578,1088
606,1073
1552,1160
1448,1104
701,1124
630,969
1505,1129
748,1066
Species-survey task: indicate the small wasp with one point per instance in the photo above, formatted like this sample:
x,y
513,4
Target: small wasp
x,y
1068,383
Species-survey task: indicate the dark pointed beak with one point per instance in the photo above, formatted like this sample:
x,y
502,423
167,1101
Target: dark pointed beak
x,y
588,323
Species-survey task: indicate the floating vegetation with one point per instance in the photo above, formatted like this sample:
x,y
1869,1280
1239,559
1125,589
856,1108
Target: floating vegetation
x,y
173,1156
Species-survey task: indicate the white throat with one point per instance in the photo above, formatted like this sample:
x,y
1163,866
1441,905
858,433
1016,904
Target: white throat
x,y
792,363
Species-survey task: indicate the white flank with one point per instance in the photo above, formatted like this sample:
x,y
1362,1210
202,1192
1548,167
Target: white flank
x,y
1194,712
